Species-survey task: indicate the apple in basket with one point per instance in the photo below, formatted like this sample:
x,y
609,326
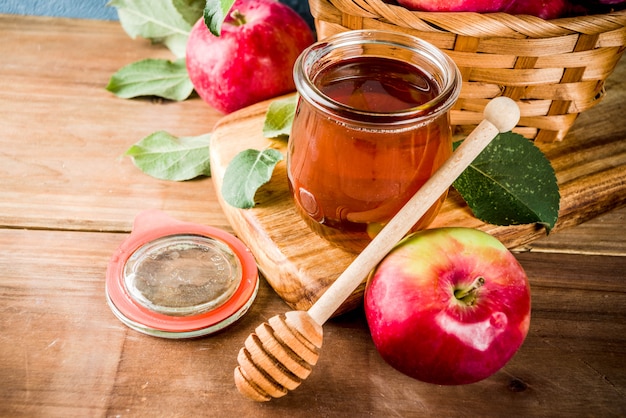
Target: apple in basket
x,y
545,9
252,59
479,6
448,306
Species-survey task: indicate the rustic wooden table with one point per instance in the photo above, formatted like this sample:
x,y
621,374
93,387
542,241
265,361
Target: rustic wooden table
x,y
68,199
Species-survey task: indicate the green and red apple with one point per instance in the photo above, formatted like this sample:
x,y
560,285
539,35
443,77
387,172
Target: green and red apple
x,y
448,306
252,59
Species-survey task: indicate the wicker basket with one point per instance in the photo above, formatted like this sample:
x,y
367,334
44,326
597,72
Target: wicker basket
x,y
554,69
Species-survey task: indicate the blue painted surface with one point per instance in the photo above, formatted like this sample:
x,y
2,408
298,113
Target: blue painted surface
x,y
97,9
86,9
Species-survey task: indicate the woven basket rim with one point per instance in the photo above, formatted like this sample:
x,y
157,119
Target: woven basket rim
x,y
477,24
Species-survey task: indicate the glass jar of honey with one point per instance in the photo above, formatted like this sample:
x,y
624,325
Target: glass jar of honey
x,y
371,126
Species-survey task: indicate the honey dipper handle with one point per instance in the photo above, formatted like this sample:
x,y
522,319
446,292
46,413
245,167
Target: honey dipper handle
x,y
501,115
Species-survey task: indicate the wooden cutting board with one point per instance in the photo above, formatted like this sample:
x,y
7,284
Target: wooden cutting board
x,y
299,265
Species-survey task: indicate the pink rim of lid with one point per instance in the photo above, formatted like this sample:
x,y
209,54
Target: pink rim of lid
x,y
151,225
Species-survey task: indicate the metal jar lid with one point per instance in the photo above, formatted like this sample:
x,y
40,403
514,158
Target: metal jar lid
x,y
177,279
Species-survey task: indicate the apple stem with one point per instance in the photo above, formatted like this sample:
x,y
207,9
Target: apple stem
x,y
238,18
468,295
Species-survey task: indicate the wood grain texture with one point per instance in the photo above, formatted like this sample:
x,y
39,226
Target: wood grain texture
x,y
63,136
603,236
590,165
64,354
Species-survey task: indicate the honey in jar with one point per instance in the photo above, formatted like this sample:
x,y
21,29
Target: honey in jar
x,y
371,127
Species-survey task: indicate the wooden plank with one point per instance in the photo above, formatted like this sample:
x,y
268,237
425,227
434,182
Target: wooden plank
x,y
603,235
63,353
590,165
63,136
59,344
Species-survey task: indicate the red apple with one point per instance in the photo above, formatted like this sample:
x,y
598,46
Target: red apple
x,y
448,306
582,7
252,59
545,9
479,6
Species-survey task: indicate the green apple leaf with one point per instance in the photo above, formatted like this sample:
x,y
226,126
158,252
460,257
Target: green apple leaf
x,y
167,157
248,170
215,12
152,77
279,117
511,183
190,10
157,20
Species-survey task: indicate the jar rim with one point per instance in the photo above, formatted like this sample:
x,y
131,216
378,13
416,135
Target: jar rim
x,y
450,83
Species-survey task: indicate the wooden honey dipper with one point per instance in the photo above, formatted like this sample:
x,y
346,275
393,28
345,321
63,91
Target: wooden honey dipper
x,y
280,353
